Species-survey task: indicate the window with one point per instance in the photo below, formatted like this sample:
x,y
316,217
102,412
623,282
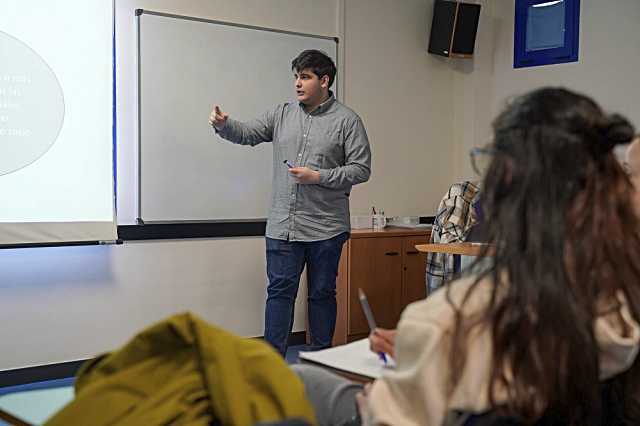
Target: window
x,y
546,32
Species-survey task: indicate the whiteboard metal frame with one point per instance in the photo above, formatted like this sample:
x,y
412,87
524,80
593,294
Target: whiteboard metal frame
x,y
138,13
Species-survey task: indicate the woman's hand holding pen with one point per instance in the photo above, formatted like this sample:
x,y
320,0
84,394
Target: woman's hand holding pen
x,y
304,175
383,340
218,118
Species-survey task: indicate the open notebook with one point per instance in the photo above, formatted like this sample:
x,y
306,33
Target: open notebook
x,y
354,357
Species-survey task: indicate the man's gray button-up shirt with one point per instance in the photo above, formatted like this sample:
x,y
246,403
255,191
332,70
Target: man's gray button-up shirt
x,y
331,140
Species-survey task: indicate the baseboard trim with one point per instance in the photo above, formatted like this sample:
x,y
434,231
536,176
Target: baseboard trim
x,y
62,370
39,373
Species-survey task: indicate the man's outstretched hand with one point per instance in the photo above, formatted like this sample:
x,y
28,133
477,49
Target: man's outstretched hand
x,y
218,118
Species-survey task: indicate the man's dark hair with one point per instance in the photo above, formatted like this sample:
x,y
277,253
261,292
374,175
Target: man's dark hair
x,y
318,62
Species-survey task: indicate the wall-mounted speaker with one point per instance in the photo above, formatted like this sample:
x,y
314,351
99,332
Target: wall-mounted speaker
x,y
454,28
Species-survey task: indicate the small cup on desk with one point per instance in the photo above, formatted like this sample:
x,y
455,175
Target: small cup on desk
x,y
361,222
379,221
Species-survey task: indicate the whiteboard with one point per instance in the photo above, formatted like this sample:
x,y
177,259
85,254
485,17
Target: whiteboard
x,y
185,66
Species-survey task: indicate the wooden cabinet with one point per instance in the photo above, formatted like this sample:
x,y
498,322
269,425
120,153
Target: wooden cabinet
x,y
414,269
388,268
375,266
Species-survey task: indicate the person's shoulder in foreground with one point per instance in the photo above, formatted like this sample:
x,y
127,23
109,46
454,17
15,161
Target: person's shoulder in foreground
x,y
415,393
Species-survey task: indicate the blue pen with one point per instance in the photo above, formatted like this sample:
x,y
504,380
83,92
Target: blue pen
x,y
289,165
370,320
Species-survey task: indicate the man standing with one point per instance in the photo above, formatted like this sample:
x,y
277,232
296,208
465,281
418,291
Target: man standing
x,y
320,150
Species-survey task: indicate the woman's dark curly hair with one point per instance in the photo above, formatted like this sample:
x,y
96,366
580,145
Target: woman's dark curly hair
x,y
566,241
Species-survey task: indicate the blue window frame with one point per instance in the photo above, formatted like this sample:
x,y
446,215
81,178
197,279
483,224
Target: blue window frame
x,y
546,32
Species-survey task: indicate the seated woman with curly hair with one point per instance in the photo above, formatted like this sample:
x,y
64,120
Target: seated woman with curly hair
x,y
549,332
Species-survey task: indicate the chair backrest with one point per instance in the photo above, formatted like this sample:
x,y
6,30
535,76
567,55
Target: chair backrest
x,y
479,232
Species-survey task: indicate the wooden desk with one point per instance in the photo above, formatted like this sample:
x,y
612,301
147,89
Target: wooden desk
x,y
465,249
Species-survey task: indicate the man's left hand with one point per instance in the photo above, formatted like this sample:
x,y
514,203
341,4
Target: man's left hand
x,y
304,175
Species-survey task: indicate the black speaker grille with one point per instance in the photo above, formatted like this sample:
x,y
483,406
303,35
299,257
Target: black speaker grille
x,y
464,38
444,12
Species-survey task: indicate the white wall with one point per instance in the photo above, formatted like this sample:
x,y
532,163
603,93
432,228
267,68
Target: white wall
x,y
473,94
422,113
66,303
404,97
61,304
607,70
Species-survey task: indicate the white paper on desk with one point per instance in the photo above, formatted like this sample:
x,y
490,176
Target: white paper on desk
x,y
354,357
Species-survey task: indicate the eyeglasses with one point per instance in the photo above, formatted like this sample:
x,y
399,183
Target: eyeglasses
x,y
481,158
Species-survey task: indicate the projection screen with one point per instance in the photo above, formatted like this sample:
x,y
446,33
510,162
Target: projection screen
x,y
56,121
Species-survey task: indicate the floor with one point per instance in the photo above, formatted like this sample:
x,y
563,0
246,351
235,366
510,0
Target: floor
x,y
35,402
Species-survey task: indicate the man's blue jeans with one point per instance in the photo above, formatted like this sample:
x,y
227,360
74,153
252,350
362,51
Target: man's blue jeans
x,y
285,262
